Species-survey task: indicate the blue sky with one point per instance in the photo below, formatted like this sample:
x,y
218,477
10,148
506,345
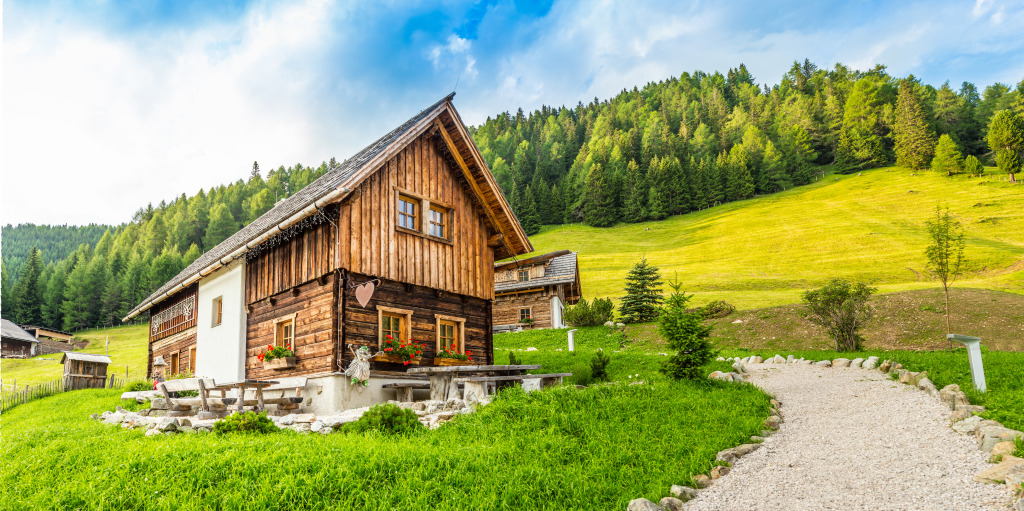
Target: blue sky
x,y
109,105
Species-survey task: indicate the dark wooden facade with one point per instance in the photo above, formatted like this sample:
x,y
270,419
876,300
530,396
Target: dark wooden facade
x,y
15,348
172,333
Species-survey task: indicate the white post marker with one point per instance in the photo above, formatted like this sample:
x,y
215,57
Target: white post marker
x,y
974,357
572,344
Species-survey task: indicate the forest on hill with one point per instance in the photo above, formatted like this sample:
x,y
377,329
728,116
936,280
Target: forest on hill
x,y
679,145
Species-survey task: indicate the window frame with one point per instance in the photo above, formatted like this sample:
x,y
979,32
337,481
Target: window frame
x,y
405,323
414,203
523,273
173,365
218,312
529,313
444,215
423,217
279,339
460,331
192,360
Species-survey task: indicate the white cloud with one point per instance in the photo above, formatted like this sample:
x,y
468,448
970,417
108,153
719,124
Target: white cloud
x,y
456,54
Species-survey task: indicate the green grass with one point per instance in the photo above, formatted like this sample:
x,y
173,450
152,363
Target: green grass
x,y
560,448
1004,400
127,355
766,251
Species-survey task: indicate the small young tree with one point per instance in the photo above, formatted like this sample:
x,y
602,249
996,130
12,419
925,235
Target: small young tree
x,y
841,308
686,333
643,294
947,157
973,167
945,252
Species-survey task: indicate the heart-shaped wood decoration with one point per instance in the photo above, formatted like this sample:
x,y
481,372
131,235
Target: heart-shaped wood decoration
x,y
363,293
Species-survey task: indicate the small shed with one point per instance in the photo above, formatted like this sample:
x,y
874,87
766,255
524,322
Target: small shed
x,y
83,371
16,342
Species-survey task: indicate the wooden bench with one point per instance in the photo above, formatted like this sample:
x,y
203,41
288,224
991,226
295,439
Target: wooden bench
x,y
284,385
403,391
475,386
505,328
183,405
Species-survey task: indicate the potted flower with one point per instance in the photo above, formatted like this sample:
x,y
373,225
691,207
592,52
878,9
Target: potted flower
x,y
277,357
398,352
447,357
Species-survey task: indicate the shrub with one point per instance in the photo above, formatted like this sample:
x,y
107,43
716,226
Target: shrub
x,y
512,361
245,422
685,332
842,309
138,386
133,406
973,167
387,419
599,366
586,314
715,309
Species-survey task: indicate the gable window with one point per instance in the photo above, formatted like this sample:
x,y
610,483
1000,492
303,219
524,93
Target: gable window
x,y
524,275
407,213
218,310
393,322
438,222
284,332
451,333
525,314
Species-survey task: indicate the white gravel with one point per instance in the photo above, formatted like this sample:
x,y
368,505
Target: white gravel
x,y
853,439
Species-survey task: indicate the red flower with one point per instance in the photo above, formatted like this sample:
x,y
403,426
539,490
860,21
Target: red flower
x,y
418,352
411,356
260,356
470,359
389,337
406,362
269,347
469,352
387,349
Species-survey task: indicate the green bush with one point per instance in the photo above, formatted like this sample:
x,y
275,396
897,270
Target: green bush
x,y
714,310
587,314
842,309
512,360
387,419
245,422
138,386
686,333
599,366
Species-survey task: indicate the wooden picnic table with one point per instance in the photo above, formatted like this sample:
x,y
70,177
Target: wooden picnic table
x,y
242,385
442,386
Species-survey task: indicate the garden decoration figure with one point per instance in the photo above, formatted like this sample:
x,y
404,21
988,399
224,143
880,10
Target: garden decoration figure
x,y
359,369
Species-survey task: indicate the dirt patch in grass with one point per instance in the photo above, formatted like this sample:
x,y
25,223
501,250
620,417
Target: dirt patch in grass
x,y
906,320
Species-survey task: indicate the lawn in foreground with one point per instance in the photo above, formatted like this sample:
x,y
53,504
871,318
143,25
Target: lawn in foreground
x,y
561,448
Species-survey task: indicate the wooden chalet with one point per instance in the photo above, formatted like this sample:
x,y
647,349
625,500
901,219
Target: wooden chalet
x,y
399,239
533,292
15,342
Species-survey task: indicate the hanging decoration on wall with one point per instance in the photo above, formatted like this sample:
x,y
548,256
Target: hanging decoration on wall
x,y
321,216
364,291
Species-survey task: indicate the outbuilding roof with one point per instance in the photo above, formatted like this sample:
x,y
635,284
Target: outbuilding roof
x,y
9,330
342,179
85,357
560,268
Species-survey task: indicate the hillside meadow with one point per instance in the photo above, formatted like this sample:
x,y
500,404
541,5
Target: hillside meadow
x,y
127,355
767,250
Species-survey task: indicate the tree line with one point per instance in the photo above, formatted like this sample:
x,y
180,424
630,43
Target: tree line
x,y
697,140
683,144
96,284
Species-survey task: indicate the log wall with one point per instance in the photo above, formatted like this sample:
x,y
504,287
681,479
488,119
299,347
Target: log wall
x,y
162,325
361,327
300,259
506,308
180,343
313,306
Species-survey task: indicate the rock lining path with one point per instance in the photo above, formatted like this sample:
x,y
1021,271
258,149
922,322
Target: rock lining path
x,y
854,439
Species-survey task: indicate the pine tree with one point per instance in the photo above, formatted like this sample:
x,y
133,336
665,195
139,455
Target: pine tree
x,y
1006,139
739,182
686,333
54,297
635,207
599,208
643,294
973,167
915,142
28,297
6,306
222,225
947,157
530,217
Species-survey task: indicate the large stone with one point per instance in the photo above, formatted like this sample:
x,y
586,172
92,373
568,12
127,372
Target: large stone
x,y
112,417
736,377
158,403
184,422
701,481
728,456
886,364
166,424
965,411
152,432
316,426
720,359
1003,448
992,435
904,376
997,474
719,471
779,360
790,359
738,367
915,378
926,385
1019,506
1014,477
643,505
807,362
756,360
952,396
671,504
287,420
719,375
305,418
683,493
773,422
856,362
746,449
841,362
824,363
870,363
967,425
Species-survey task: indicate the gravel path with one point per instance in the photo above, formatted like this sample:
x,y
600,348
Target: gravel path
x,y
853,439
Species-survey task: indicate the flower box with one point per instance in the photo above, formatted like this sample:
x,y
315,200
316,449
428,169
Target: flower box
x,y
438,361
279,363
395,359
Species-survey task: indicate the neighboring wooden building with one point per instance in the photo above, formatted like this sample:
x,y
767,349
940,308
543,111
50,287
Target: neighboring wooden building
x,y
83,371
534,292
15,342
42,332
414,221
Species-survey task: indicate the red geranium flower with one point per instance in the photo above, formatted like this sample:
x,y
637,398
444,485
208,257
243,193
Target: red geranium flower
x,y
469,352
269,347
406,362
418,352
387,349
389,337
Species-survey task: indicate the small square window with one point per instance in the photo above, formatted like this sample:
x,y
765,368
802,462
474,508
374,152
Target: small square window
x,y
525,314
391,325
524,275
284,333
407,213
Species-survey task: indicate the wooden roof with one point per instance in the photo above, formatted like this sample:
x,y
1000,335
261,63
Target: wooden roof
x,y
96,359
342,179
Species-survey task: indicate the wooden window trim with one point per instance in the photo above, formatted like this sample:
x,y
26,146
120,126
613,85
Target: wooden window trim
x,y
174,365
282,319
423,218
192,360
406,325
446,221
530,309
417,216
218,311
425,236
519,276
460,324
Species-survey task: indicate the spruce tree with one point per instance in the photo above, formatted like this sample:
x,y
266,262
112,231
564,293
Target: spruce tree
x,y
915,142
947,157
28,298
222,225
6,306
686,333
635,207
643,294
740,183
530,217
599,208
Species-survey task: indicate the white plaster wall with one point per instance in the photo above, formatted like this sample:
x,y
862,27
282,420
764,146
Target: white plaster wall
x,y
220,350
557,311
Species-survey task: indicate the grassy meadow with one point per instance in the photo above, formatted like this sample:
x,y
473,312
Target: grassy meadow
x,y
127,355
765,251
561,448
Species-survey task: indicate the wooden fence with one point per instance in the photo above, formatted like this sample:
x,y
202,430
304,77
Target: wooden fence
x,y
11,398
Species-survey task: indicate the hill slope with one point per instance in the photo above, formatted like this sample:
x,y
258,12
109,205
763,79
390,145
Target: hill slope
x,y
765,251
127,356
